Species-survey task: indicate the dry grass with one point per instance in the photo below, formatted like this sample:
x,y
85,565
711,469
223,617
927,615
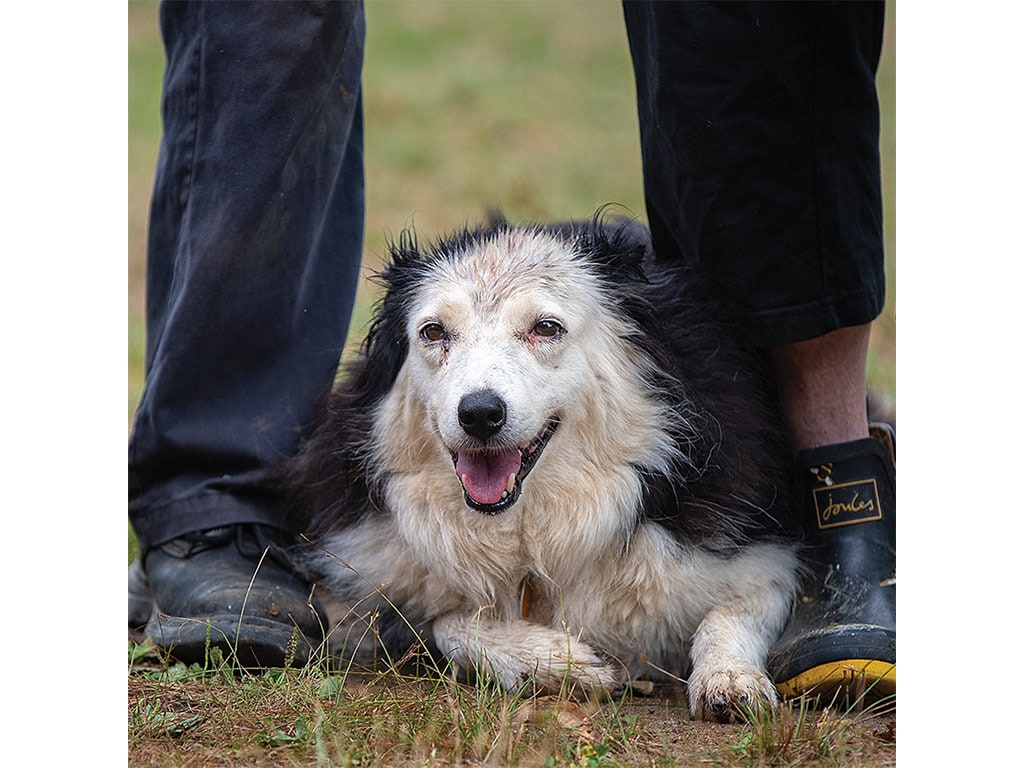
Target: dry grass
x,y
217,716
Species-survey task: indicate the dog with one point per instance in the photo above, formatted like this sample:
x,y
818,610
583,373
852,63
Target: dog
x,y
554,462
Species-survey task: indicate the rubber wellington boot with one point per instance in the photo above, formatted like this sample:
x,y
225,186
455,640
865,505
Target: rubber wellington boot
x,y
840,644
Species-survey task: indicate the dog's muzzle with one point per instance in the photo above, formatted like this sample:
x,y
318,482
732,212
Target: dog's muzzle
x,y
492,476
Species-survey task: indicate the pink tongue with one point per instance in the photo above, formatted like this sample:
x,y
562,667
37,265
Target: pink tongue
x,y
485,475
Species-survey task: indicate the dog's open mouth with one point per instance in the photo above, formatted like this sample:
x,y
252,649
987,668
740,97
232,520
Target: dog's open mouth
x,y
492,480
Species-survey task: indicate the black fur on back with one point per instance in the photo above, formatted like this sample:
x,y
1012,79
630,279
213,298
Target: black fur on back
x,y
736,485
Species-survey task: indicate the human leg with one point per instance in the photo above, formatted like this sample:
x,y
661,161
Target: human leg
x,y
822,383
253,260
842,639
759,135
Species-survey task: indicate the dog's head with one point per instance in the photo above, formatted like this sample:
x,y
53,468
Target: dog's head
x,y
506,338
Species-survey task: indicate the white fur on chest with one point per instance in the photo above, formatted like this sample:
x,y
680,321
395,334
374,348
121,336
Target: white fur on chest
x,y
632,592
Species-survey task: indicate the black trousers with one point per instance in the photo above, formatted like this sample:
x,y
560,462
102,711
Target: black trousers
x,y
254,252
759,129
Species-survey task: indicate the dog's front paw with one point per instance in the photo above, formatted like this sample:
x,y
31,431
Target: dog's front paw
x,y
720,694
556,663
552,662
517,652
573,667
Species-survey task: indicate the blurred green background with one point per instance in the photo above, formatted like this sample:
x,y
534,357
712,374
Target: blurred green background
x,y
527,105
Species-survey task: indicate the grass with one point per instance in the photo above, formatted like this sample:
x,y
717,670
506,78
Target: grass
x,y
213,714
343,719
527,106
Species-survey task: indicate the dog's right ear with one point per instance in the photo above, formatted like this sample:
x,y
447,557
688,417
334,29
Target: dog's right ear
x,y
384,352
386,346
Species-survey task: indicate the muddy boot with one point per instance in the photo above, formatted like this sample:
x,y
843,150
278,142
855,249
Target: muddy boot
x,y
840,644
232,589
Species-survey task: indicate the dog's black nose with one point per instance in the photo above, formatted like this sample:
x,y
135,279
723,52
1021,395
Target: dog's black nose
x,y
482,414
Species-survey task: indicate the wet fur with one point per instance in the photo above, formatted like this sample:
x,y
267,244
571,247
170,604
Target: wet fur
x,y
653,536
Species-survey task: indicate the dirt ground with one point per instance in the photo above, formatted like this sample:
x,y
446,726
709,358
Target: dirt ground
x,y
651,730
815,737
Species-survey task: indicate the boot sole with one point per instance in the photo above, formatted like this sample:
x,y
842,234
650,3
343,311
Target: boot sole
x,y
850,662
252,644
847,681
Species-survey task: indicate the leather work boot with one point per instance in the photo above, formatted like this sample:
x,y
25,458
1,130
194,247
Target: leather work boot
x,y
840,644
228,588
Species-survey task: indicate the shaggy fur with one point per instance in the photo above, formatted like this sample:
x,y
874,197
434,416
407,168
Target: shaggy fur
x,y
646,531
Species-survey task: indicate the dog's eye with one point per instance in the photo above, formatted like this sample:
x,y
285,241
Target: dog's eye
x,y
433,332
547,329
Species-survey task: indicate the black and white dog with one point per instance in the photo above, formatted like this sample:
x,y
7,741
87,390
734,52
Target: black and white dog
x,y
554,462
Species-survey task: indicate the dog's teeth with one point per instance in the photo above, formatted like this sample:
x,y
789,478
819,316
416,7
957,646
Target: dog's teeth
x,y
511,483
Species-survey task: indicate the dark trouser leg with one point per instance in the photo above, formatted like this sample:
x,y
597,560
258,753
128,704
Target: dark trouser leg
x,y
254,252
759,140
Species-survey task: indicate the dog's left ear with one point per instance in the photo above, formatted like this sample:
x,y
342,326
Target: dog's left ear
x,y
617,246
